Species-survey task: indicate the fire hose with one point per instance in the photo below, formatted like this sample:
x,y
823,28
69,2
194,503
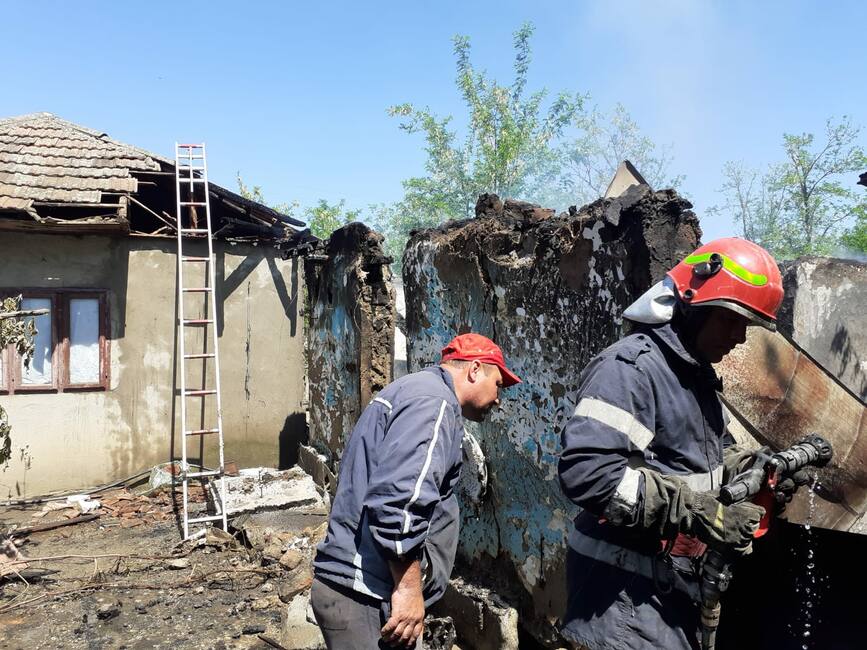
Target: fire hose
x,y
756,483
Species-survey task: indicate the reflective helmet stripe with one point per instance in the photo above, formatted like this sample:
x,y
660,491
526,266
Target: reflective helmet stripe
x,y
755,279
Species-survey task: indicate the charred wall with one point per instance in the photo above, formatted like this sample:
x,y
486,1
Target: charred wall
x,y
549,290
823,311
350,333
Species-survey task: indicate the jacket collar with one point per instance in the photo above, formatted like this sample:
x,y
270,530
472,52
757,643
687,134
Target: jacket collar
x,y
668,338
445,375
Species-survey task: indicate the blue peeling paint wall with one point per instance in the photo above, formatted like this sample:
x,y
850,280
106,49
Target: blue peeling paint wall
x,y
550,291
350,334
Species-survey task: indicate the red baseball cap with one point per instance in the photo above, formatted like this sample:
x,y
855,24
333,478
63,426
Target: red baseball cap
x,y
475,347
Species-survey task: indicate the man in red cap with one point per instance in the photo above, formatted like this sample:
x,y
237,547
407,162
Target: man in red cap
x,y
393,529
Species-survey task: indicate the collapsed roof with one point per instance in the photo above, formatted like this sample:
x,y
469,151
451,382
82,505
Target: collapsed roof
x,y
56,176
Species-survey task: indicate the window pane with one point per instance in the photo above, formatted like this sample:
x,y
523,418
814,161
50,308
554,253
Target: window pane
x,y
84,341
39,371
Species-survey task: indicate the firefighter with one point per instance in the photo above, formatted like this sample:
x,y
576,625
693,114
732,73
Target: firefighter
x,y
393,529
647,450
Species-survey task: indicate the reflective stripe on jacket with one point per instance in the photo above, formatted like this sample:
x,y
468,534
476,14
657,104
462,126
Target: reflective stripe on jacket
x,y
395,495
643,402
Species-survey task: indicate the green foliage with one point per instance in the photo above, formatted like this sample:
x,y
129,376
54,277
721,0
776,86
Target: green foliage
x,y
255,194
855,239
757,201
508,147
324,218
19,332
516,145
798,206
604,142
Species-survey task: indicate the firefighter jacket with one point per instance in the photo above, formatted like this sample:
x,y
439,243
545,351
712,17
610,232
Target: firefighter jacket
x,y
395,495
644,402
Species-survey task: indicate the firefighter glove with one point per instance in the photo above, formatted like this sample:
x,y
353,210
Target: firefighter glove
x,y
671,507
737,459
789,484
717,525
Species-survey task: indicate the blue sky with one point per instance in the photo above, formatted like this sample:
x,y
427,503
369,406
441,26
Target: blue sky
x,y
294,95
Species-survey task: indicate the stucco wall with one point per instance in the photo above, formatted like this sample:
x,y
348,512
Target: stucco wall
x,y
549,290
75,440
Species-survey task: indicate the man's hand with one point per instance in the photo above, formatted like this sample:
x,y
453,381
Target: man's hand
x,y
406,624
789,484
718,525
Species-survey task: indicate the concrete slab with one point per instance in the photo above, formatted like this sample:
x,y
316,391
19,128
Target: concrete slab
x,y
263,488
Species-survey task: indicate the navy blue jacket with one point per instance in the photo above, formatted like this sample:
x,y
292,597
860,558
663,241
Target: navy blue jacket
x,y
395,494
645,401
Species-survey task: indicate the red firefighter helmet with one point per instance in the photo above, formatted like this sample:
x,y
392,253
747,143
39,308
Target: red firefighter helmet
x,y
732,273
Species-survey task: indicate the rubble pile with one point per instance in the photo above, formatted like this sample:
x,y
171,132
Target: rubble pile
x,y
120,577
137,509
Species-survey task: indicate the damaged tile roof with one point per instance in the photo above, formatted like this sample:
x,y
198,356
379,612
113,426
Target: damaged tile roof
x,y
46,159
47,163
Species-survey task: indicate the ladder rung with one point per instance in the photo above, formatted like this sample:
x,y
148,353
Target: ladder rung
x,y
187,179
200,520
196,289
186,156
200,230
205,355
189,145
199,392
200,203
195,259
201,432
210,472
198,321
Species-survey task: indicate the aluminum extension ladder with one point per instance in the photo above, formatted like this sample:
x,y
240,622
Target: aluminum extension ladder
x,y
193,211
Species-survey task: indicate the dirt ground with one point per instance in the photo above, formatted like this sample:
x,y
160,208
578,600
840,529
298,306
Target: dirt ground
x,y
136,585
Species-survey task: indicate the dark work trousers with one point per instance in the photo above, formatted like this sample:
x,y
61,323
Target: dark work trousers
x,y
350,620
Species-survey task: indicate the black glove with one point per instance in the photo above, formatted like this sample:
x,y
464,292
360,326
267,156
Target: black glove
x,y
671,507
789,484
737,459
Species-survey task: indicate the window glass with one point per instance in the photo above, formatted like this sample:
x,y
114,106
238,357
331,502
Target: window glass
x,y
84,341
39,372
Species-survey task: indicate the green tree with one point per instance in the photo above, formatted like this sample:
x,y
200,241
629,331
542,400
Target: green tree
x,y
324,218
255,194
508,147
801,204
756,199
605,140
516,144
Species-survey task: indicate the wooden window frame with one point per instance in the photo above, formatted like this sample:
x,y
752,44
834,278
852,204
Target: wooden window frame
x,y
60,331
14,373
103,322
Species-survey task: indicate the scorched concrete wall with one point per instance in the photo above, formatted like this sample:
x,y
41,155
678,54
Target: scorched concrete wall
x,y
823,311
75,440
550,291
351,334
